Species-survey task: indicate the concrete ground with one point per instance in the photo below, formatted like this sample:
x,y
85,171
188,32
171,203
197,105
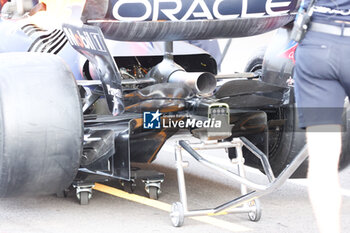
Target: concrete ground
x,y
287,210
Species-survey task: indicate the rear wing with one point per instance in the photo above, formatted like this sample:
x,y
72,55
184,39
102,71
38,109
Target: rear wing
x,y
171,20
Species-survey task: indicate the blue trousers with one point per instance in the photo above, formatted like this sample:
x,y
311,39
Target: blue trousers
x,y
322,78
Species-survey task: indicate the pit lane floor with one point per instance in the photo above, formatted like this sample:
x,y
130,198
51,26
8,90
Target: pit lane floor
x,y
287,210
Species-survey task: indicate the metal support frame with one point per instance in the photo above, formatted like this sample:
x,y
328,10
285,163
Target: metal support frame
x,y
247,202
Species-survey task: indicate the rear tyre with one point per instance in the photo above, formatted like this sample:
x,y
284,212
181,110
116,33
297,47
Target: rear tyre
x,y
62,194
41,125
255,63
286,141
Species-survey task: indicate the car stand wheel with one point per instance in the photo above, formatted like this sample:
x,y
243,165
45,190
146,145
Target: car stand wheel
x,y
84,192
84,198
84,195
153,192
177,215
128,186
255,215
153,189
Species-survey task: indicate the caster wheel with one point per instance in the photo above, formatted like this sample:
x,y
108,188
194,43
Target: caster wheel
x,y
62,194
153,192
255,215
128,186
84,198
177,215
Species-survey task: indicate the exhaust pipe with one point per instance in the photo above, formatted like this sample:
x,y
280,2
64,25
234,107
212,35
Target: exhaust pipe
x,y
202,83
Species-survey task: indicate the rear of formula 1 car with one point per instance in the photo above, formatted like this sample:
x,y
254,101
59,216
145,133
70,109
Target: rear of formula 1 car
x,y
74,112
52,126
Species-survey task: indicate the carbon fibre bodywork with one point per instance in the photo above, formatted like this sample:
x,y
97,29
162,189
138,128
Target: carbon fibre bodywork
x,y
155,20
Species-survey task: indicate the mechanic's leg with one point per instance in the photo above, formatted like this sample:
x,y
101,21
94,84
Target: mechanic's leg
x,y
324,145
